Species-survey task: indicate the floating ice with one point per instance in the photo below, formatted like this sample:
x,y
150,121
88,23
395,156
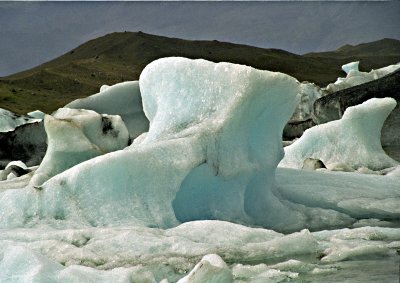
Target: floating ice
x,y
121,99
352,66
150,255
211,269
9,120
211,153
37,114
353,141
78,135
355,77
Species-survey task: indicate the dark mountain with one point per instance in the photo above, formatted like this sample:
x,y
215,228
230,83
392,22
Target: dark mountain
x,y
122,56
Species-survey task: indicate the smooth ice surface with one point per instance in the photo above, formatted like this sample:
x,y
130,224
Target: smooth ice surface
x,y
9,120
78,135
357,195
352,66
353,141
355,77
121,99
37,114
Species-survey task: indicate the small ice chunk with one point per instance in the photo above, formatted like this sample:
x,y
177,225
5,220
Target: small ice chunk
x,y
37,114
211,269
352,66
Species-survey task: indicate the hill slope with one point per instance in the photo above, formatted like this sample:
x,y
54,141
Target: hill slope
x,y
120,57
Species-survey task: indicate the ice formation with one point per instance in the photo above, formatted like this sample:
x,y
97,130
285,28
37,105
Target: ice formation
x,y
355,77
309,93
352,66
78,135
211,153
15,168
9,120
143,254
354,140
122,99
37,114
211,269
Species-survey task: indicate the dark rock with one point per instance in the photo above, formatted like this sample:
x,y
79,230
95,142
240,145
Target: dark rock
x,y
26,143
296,129
332,106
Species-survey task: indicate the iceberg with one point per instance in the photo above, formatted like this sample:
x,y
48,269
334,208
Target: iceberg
x,y
75,136
352,66
215,158
355,77
354,140
121,99
161,209
9,120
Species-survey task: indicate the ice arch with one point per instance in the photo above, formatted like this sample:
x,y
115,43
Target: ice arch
x,y
213,128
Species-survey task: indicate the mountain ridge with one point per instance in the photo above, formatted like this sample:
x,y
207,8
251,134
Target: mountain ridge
x,y
121,56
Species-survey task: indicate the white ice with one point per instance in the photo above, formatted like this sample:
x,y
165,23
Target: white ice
x,y
211,153
355,77
78,135
351,142
352,66
121,99
151,255
9,120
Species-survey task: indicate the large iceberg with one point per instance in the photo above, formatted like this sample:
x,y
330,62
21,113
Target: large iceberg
x,y
211,154
354,140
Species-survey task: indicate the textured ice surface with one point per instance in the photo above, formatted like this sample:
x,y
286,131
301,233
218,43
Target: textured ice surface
x,y
150,254
211,153
355,77
9,120
353,141
121,99
309,93
78,135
